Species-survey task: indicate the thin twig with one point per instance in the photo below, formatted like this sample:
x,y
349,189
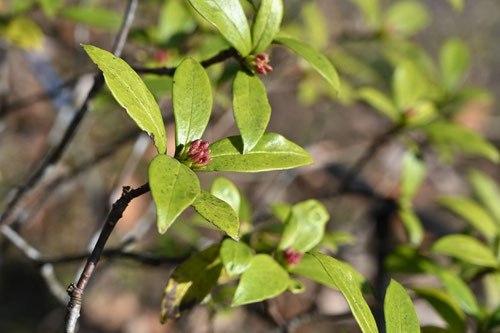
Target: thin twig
x,y
54,156
220,57
76,291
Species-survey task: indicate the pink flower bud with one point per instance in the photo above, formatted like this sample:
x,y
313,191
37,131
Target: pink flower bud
x,y
198,152
291,257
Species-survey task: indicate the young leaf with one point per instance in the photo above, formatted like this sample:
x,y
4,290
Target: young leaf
x,y
347,285
225,189
406,17
263,279
487,192
445,306
317,60
380,102
458,290
408,85
305,226
192,101
454,59
412,225
448,136
412,175
174,188
272,152
191,282
132,94
400,315
236,256
466,248
228,17
267,24
217,212
251,108
100,18
311,268
472,213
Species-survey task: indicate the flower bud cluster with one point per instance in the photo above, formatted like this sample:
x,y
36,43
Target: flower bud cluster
x,y
198,152
291,257
259,64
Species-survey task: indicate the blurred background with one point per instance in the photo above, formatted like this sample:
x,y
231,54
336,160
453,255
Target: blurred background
x,y
45,74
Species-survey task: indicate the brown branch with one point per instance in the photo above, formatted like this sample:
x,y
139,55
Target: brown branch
x,y
54,156
76,291
220,57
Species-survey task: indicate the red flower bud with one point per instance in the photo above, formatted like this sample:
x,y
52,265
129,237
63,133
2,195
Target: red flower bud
x,y
291,257
198,152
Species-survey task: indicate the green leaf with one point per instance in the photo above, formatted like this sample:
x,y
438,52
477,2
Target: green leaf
x,y
487,192
412,225
305,226
400,315
50,7
24,33
131,93
245,213
281,210
225,189
236,256
380,102
311,268
466,248
412,175
99,18
217,212
455,60
445,306
192,101
408,85
447,137
228,17
251,108
406,17
263,279
191,282
332,240
348,286
272,152
317,60
267,24
370,10
458,5
458,290
175,18
472,213
316,30
174,188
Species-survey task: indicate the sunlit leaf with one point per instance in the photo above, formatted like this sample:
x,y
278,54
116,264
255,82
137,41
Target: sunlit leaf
x,y
263,279
131,93
380,102
315,23
225,189
408,85
400,315
267,23
412,175
24,33
94,16
236,256
459,291
281,210
488,192
174,188
406,17
466,248
454,59
412,225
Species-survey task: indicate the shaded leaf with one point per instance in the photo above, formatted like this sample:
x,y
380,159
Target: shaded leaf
x,y
315,25
472,213
50,7
192,101
228,17
317,60
281,210
488,192
245,213
412,175
174,188
305,226
266,25
236,256
332,240
132,94
348,286
191,282
408,85
400,315
458,290
454,58
380,102
445,306
272,152
217,212
412,225
370,10
263,279
174,18
225,189
251,108
466,248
